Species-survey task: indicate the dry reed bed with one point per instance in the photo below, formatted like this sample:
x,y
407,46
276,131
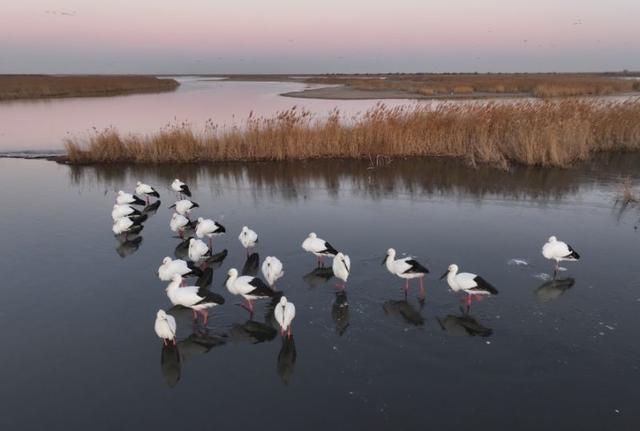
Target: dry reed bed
x,y
536,84
42,86
542,133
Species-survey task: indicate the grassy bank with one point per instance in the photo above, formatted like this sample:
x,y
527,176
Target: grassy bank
x,y
529,84
44,86
540,133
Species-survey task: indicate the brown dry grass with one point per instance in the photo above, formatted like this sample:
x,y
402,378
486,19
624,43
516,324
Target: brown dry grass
x,y
44,86
542,133
536,84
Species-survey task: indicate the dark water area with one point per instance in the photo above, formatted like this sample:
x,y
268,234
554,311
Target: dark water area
x,y
78,305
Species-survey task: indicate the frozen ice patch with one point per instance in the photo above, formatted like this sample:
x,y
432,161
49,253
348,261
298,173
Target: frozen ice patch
x,y
542,276
517,262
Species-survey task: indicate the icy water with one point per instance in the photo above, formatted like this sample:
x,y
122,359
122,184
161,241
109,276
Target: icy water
x,y
79,351
42,125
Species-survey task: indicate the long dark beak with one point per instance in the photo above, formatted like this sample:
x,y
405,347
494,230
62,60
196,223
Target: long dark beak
x,y
225,280
384,260
173,206
444,275
195,205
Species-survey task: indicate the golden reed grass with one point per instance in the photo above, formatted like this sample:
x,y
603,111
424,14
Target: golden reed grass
x,y
531,84
42,86
538,133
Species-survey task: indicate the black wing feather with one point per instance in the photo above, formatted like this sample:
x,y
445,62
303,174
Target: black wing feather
x,y
573,254
416,267
261,289
329,249
484,285
209,297
185,190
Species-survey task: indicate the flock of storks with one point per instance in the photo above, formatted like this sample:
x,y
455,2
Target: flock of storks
x,y
128,220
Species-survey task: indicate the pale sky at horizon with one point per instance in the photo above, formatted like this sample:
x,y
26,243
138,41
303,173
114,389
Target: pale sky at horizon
x,y
287,36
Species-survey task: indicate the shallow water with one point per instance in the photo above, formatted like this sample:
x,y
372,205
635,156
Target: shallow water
x,y
44,124
79,350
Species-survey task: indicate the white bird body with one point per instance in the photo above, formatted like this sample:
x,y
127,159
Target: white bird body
x,y
120,211
318,246
197,250
250,288
146,189
194,297
559,251
208,228
405,267
171,267
122,225
178,222
471,284
284,313
165,326
248,238
180,187
184,206
272,270
127,198
341,266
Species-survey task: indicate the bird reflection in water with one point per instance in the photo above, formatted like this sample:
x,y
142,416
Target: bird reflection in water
x,y
318,277
170,364
463,324
404,309
251,265
340,312
182,249
553,289
287,359
128,244
252,331
151,209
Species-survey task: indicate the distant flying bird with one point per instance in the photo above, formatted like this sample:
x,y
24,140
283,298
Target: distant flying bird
x,y
165,327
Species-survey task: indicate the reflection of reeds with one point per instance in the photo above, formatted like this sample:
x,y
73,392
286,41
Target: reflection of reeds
x,y
41,86
537,134
627,194
536,84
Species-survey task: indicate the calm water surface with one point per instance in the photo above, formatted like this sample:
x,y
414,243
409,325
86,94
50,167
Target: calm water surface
x,y
44,124
78,306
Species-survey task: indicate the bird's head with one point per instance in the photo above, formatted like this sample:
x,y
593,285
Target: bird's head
x,y
161,315
552,239
313,235
166,260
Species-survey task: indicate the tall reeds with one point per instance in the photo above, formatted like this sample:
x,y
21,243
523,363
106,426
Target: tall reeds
x,y
542,133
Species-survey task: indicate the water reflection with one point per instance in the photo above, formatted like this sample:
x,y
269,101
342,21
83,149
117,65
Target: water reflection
x,y
408,312
251,265
553,289
170,364
127,245
151,209
340,312
463,324
287,359
411,177
318,276
253,331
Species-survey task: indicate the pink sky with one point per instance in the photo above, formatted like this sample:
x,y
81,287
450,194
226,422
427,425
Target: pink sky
x,y
163,36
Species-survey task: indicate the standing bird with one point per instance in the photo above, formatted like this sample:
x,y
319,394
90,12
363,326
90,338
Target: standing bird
x,y
198,250
184,207
199,299
120,211
209,228
180,187
146,190
248,238
128,225
319,247
171,267
559,251
250,288
405,267
284,313
341,268
165,327
128,199
272,270
471,284
179,223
